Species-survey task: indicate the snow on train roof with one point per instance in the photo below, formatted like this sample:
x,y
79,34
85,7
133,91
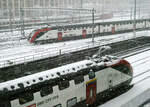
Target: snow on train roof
x,y
45,75
56,72
86,23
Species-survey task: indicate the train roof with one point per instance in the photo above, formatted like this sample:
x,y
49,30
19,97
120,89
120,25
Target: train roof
x,y
90,24
45,75
56,72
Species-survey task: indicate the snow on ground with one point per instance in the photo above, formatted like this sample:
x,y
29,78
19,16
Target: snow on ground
x,y
126,99
14,35
24,53
140,64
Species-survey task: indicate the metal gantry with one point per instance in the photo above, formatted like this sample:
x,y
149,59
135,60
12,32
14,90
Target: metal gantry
x,y
134,26
93,11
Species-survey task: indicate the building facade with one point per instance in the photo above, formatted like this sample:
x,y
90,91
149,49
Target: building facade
x,y
16,5
12,8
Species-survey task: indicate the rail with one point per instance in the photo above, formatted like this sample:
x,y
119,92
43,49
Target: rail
x,y
51,52
144,74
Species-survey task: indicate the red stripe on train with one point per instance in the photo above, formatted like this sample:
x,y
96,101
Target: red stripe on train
x,y
124,62
33,105
36,33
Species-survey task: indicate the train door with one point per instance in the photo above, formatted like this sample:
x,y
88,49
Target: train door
x,y
113,30
59,35
84,33
91,91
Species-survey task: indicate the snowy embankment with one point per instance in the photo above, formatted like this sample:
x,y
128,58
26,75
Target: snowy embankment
x,y
140,92
26,53
135,97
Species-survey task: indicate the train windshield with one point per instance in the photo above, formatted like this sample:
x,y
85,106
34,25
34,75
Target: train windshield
x,y
123,68
31,34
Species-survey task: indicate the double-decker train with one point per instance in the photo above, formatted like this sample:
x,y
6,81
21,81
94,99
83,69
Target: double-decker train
x,y
81,82
79,31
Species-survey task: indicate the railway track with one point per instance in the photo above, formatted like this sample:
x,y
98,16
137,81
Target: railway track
x,y
18,70
133,51
121,90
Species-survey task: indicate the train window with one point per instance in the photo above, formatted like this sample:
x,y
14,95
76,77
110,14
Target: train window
x,y
78,79
58,105
46,91
74,28
32,33
71,102
91,74
26,97
73,69
59,29
65,29
122,68
98,68
84,71
63,84
40,34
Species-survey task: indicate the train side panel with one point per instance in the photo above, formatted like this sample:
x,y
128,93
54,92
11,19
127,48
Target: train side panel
x,y
76,31
75,93
52,34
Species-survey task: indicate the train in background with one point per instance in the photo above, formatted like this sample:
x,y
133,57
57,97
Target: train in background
x,y
79,83
80,31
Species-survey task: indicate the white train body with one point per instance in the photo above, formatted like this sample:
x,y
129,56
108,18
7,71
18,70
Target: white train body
x,y
80,82
79,31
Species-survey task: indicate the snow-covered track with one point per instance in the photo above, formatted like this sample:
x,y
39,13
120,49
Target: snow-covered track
x,y
141,77
38,52
144,75
133,51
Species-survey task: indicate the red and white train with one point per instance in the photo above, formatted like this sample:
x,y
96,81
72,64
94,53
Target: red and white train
x,y
66,86
80,31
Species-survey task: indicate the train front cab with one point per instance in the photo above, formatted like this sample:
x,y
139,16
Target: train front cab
x,y
126,69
